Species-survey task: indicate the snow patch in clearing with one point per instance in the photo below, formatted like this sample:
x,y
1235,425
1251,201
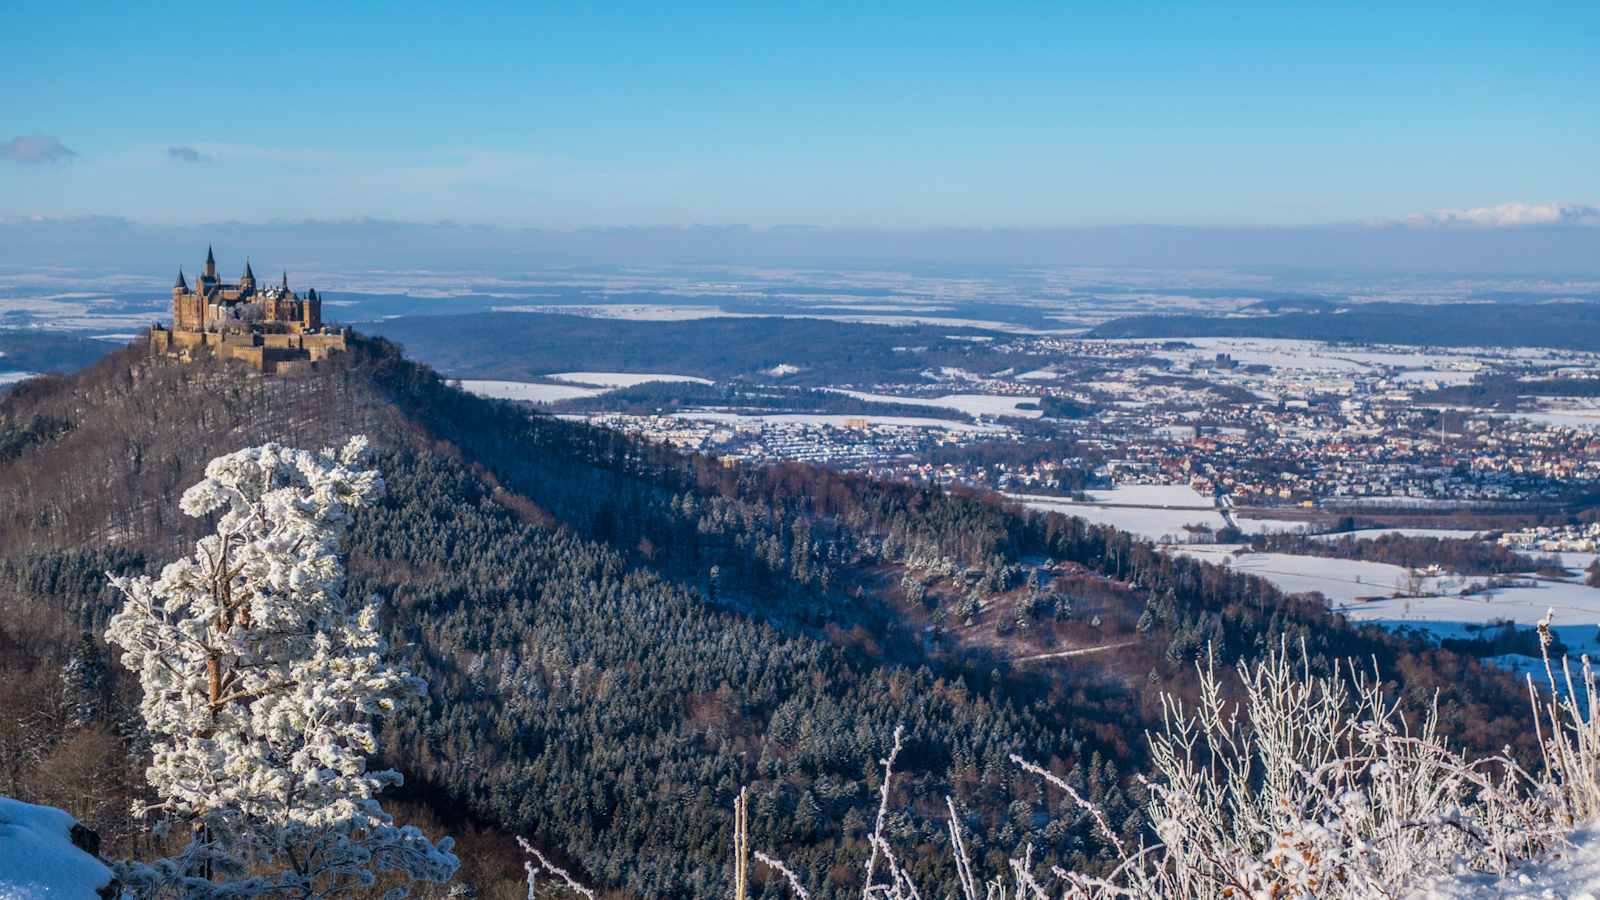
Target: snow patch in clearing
x,y
971,404
533,393
622,379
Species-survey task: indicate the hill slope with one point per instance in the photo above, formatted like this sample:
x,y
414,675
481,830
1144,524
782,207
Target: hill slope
x,y
618,636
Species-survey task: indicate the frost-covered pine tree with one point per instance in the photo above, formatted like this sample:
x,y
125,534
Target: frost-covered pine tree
x,y
81,681
261,683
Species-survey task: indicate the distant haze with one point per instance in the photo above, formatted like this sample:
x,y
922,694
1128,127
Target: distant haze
x,y
102,244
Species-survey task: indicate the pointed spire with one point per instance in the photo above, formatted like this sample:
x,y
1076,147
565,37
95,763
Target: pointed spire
x,y
210,260
286,279
182,285
248,275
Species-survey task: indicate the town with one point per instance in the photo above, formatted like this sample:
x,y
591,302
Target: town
x,y
1264,424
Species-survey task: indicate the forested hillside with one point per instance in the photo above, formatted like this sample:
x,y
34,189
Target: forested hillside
x,y
618,636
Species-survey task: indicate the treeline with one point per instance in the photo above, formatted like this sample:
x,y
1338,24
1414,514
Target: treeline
x,y
1466,557
666,397
1507,391
1565,326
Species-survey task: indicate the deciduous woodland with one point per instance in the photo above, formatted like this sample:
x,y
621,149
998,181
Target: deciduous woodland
x,y
618,638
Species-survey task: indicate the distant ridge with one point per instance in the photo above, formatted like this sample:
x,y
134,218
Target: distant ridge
x,y
1563,325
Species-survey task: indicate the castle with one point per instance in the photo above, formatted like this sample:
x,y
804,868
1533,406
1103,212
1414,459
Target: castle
x,y
270,329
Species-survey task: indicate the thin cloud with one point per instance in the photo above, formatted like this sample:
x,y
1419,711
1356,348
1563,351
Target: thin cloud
x,y
188,155
1508,215
36,148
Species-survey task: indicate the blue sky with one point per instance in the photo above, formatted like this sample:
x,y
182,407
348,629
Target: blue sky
x,y
875,115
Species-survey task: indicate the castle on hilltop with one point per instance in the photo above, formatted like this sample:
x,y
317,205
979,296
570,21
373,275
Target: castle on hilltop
x,y
270,329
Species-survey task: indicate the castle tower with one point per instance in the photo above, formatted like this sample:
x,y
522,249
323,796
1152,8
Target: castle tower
x,y
247,281
210,273
312,311
188,308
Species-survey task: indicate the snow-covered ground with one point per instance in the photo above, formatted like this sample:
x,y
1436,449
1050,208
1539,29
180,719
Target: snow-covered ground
x,y
1453,366
1340,580
1156,512
971,404
523,390
14,377
1568,418
1154,524
1569,874
832,420
38,858
622,379
1177,496
1576,610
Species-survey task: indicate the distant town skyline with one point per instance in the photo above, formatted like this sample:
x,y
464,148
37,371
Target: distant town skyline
x,y
902,116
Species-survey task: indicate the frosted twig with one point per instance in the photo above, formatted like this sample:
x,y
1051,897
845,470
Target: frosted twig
x,y
546,866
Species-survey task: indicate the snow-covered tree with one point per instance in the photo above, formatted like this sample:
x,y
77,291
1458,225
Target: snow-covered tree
x,y
81,682
261,684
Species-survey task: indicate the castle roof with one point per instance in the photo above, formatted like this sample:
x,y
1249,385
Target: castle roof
x,y
286,279
181,283
247,273
209,258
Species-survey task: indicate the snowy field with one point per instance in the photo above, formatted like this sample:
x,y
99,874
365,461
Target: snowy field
x,y
1340,580
1150,524
1434,376
1442,612
1275,526
622,379
1176,496
534,393
1575,606
833,421
971,404
578,384
1568,418
1455,366
1155,512
14,377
